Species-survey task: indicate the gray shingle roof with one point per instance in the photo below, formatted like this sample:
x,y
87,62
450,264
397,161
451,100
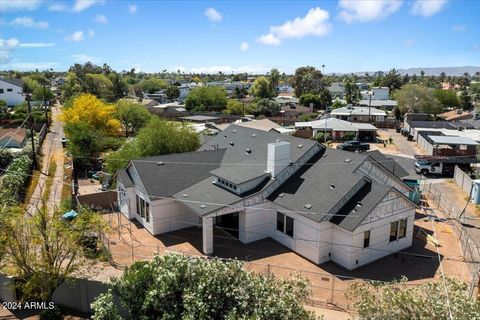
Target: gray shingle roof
x,y
125,178
239,166
389,163
176,171
15,82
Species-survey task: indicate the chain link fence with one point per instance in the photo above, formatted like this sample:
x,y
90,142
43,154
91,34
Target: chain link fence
x,y
453,214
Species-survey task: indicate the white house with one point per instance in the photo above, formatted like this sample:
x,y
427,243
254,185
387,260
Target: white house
x,y
11,91
339,128
324,204
285,88
359,114
378,93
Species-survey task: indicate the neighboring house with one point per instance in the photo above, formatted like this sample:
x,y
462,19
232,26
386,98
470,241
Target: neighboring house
x,y
436,143
170,108
359,114
379,93
362,86
338,128
382,104
13,137
200,119
284,100
158,96
337,90
263,125
455,115
294,111
324,204
149,103
285,88
11,91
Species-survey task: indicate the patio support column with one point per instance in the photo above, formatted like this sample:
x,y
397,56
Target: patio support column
x,y
207,232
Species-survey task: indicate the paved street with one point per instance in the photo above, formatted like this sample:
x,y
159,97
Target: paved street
x,y
52,147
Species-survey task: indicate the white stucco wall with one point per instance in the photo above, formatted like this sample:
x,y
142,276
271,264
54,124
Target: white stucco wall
x,y
256,222
169,215
13,97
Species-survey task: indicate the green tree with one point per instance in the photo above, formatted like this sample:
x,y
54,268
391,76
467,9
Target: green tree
x,y
133,116
152,85
274,79
392,80
417,98
156,138
447,98
352,93
172,92
266,107
338,104
466,100
119,86
207,98
39,94
238,108
99,85
178,287
377,300
307,80
262,89
85,142
319,101
43,250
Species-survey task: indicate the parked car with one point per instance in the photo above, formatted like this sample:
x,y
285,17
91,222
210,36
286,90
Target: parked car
x,y
354,146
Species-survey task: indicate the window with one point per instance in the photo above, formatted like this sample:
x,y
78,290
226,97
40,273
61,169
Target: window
x,y
366,239
289,226
280,221
143,208
9,90
1,91
285,224
393,231
402,229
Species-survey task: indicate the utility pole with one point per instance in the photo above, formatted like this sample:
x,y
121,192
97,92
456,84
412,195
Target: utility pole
x,y
45,104
326,120
370,106
29,98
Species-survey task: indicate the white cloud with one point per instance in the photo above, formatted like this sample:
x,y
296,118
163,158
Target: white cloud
x,y
81,5
459,28
222,68
6,48
76,36
100,18
28,22
213,15
83,58
367,10
244,46
37,44
91,33
132,8
314,23
427,8
18,5
57,7
30,65
409,42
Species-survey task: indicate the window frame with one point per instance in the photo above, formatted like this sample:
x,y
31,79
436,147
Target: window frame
x,y
402,230
289,230
366,239
394,230
280,221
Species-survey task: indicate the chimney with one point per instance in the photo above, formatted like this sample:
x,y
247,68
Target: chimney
x,y
278,157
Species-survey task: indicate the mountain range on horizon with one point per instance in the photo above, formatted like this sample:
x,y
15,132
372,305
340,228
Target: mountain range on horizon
x,y
432,71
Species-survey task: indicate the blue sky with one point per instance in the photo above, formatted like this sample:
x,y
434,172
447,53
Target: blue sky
x,y
243,36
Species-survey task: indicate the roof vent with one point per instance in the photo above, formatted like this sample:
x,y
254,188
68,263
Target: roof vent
x,y
225,137
254,135
332,186
278,140
308,206
359,204
347,160
281,195
185,195
248,151
300,145
203,206
231,143
234,131
160,163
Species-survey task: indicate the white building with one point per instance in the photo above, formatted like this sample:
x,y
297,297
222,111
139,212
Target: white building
x,y
285,88
378,93
11,91
359,114
344,207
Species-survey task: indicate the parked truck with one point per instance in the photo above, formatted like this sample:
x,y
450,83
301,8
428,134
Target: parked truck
x,y
444,166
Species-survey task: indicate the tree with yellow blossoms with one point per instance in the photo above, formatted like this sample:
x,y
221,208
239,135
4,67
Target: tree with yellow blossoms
x,y
93,111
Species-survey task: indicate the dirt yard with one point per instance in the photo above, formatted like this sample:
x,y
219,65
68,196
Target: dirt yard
x,y
419,263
